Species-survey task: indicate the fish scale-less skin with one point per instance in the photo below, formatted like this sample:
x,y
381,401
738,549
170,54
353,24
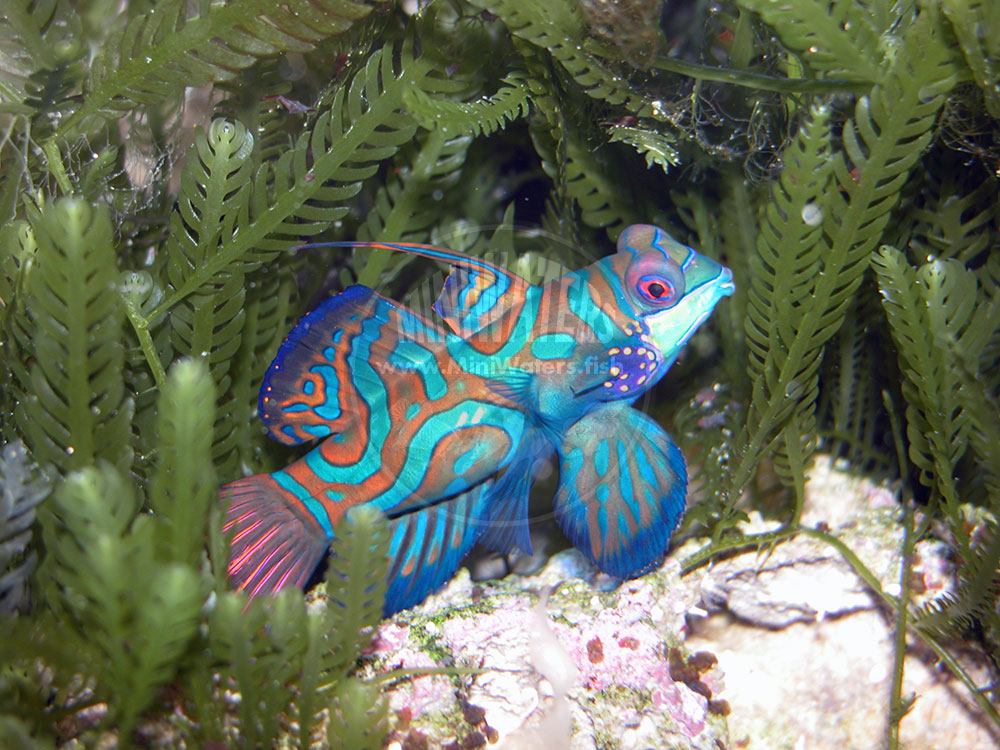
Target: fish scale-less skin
x,y
442,430
378,457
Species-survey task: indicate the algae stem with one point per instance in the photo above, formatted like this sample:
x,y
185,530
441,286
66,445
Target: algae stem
x,y
897,706
760,81
711,549
925,635
141,327
746,78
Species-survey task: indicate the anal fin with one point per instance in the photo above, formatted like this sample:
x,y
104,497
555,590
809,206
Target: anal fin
x,y
428,544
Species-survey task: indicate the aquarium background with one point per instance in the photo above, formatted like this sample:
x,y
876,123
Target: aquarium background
x,y
162,160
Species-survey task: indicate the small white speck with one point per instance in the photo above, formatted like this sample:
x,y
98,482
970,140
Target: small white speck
x,y
879,673
812,214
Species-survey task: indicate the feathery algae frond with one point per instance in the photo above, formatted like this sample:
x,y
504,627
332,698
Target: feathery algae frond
x,y
166,49
79,410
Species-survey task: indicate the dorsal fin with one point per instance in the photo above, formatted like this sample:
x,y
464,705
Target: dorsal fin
x,y
316,385
476,292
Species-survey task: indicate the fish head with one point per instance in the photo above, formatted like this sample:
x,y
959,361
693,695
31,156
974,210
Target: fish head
x,y
669,286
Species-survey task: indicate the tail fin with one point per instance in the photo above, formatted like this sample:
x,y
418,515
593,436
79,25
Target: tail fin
x,y
274,543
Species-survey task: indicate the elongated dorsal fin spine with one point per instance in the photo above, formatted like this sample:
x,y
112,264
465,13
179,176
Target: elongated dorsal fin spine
x,y
476,292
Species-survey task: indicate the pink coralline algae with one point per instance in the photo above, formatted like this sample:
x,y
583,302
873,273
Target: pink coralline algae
x,y
631,655
515,619
571,661
389,639
617,647
628,665
420,694
684,705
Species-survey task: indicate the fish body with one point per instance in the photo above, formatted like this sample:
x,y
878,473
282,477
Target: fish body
x,y
440,427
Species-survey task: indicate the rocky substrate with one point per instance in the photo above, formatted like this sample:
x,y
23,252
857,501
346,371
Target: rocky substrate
x,y
781,649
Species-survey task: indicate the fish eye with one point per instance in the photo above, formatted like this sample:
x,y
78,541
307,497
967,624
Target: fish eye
x,y
656,288
654,282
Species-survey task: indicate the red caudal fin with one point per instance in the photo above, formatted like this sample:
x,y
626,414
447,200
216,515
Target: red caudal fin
x,y
274,542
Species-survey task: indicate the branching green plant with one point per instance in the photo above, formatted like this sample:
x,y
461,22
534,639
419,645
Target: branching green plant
x,y
131,615
21,490
841,39
972,22
166,49
889,131
72,407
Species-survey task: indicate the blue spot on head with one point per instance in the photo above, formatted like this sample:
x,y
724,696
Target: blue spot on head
x,y
308,387
330,353
411,412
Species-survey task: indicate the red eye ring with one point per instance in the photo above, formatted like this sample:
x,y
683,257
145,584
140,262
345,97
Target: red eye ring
x,y
656,288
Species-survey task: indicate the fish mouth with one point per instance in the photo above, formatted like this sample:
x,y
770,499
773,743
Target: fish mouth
x,y
725,285
671,329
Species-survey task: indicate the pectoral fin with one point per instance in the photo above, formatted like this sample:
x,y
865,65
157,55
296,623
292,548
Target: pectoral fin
x,y
621,490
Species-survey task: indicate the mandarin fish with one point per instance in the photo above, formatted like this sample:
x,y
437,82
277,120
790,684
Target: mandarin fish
x,y
441,428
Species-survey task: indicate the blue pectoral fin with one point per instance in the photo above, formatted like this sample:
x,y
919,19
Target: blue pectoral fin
x,y
327,368
621,490
427,546
517,386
